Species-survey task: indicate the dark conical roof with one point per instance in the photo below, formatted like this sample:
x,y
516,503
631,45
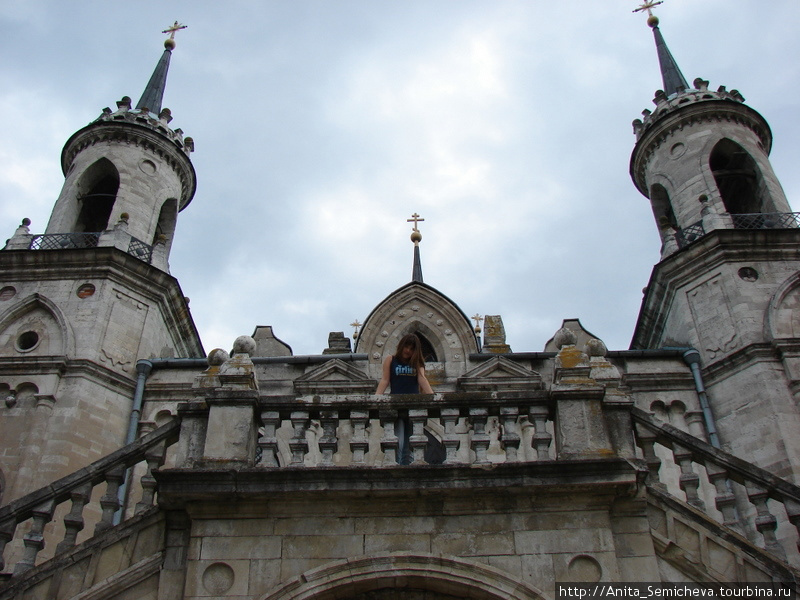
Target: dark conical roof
x,y
154,92
416,272
671,74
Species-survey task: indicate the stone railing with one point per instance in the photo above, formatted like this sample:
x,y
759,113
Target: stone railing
x,y
360,430
39,507
729,477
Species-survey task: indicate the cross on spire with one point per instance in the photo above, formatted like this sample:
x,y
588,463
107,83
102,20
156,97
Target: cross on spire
x,y
648,6
415,218
175,27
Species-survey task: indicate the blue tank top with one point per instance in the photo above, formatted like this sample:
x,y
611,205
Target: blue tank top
x,y
402,378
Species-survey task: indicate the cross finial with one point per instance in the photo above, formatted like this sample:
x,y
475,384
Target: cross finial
x,y
415,218
648,6
175,27
477,318
355,324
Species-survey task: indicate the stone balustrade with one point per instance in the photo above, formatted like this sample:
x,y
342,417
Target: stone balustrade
x,y
39,507
361,430
747,499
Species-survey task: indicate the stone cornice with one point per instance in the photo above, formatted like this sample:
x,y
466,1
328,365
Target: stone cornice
x,y
663,127
115,132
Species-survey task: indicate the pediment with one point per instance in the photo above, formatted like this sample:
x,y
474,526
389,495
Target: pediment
x,y
334,377
500,373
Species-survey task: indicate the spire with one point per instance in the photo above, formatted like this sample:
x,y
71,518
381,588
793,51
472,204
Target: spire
x,y
670,72
416,237
154,92
671,76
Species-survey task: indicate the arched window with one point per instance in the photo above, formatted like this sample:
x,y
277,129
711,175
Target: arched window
x,y
427,348
662,207
738,179
166,220
98,192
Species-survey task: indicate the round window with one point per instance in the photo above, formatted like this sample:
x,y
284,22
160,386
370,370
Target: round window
x,y
7,293
27,341
86,290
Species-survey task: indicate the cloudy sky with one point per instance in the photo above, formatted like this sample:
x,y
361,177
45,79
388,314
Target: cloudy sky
x,y
322,125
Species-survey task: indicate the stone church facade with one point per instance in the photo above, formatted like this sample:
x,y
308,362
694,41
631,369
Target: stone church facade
x,y
133,467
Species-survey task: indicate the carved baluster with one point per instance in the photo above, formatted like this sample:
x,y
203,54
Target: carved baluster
x,y
418,440
155,458
328,443
541,437
73,521
389,442
725,501
7,529
34,539
359,443
647,442
793,512
298,444
451,441
110,502
268,442
689,480
480,439
510,439
766,523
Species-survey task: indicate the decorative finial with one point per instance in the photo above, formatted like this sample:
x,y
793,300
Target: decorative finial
x,y
170,41
355,324
477,318
648,6
416,236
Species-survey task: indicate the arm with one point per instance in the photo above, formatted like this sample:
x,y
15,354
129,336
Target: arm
x,y
384,382
422,381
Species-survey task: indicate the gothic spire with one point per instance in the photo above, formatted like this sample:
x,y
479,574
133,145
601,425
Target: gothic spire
x,y
671,76
154,92
670,72
416,237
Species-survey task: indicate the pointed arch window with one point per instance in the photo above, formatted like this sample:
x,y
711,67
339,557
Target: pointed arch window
x,y
738,179
167,219
662,207
99,186
428,351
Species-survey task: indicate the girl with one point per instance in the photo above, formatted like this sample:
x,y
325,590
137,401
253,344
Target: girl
x,y
404,373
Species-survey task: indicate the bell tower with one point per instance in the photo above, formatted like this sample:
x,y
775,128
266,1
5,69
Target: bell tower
x,y
728,282
83,302
128,166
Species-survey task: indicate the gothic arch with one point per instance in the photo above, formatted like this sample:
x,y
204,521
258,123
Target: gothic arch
x,y
739,179
782,319
418,308
97,192
38,315
167,219
437,574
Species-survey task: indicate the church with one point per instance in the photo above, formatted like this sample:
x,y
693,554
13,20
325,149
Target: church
x,y
135,466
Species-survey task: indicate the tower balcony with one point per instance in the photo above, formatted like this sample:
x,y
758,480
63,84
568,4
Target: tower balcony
x,y
692,233
117,237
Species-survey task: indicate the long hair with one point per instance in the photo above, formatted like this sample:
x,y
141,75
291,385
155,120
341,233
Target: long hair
x,y
410,340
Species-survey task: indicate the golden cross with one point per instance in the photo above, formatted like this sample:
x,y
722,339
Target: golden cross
x,y
415,218
171,30
355,324
648,5
477,318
